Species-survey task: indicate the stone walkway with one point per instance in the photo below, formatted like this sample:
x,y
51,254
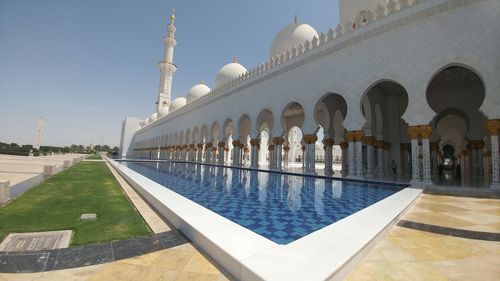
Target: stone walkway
x,y
409,254
179,263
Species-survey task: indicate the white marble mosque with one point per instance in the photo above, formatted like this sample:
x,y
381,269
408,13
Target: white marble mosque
x,y
411,81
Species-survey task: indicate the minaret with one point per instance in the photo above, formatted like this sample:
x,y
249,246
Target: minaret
x,y
167,68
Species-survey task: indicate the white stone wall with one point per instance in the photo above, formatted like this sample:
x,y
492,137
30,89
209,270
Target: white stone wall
x,y
129,126
408,47
349,9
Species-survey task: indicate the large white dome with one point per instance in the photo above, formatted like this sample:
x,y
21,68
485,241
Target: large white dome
x,y
229,72
177,103
163,111
196,92
291,36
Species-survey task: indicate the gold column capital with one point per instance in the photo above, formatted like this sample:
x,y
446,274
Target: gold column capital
x,y
414,132
358,135
425,131
278,140
369,140
221,144
255,142
344,145
309,139
328,142
493,127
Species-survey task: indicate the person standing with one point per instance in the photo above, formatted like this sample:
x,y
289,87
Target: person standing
x,y
394,167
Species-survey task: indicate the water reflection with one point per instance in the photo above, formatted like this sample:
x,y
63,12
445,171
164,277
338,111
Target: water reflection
x,y
280,207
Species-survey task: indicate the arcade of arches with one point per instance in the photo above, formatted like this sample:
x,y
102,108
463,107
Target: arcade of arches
x,y
459,145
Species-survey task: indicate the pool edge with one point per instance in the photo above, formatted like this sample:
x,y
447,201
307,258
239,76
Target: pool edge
x,y
264,259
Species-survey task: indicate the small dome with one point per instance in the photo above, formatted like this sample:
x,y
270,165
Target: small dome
x,y
229,72
163,111
291,36
197,91
153,117
177,103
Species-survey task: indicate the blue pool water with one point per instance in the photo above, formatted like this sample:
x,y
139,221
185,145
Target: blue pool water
x,y
280,207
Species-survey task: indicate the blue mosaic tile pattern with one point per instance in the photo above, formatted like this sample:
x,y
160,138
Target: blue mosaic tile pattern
x,y
282,208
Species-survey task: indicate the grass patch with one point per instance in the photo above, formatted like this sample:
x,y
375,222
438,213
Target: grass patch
x,y
56,204
95,157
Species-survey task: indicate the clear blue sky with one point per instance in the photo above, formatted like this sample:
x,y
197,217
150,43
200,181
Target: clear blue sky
x,y
85,65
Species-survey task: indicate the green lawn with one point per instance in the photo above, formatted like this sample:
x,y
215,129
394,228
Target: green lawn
x,y
94,157
56,204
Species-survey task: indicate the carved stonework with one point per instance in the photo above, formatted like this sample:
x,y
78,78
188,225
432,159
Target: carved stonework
x,y
358,135
405,146
387,145
425,131
278,140
328,142
414,132
493,127
255,142
309,139
369,140
391,7
380,11
343,145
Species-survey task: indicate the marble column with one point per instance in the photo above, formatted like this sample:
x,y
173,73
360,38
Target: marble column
x,y
493,129
405,151
310,155
236,153
343,147
351,154
244,155
221,145
199,158
226,155
208,152
387,166
370,158
380,159
254,156
327,146
278,150
479,144
192,152
286,149
303,148
272,163
213,159
434,157
358,138
465,163
425,132
413,132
